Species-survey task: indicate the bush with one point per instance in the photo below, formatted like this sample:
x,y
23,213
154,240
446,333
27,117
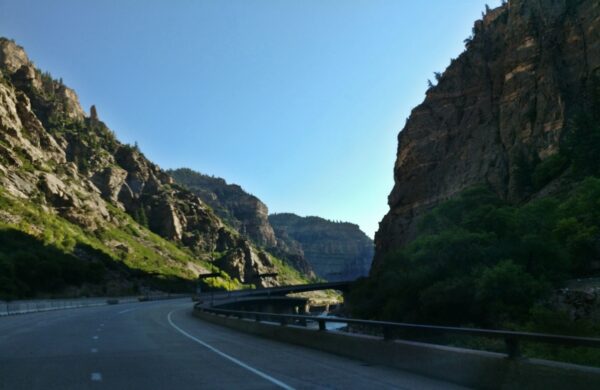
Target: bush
x,y
28,266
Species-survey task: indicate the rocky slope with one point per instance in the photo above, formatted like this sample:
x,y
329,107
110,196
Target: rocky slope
x,y
60,162
501,109
336,250
244,212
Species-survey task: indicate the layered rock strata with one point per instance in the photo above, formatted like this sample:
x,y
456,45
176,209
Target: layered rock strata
x,y
499,109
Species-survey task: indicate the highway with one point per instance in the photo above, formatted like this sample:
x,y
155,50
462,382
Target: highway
x,y
160,345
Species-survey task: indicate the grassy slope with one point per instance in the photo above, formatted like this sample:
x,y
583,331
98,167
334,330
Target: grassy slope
x,y
123,244
123,247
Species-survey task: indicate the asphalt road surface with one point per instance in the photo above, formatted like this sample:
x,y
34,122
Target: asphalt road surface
x,y
159,345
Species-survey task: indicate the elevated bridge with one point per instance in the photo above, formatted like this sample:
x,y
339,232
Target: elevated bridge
x,y
279,291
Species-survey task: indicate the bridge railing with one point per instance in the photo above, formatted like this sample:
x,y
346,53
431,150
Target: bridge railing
x,y
390,330
279,290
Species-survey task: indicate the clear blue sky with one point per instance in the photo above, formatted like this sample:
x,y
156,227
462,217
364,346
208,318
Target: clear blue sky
x,y
298,101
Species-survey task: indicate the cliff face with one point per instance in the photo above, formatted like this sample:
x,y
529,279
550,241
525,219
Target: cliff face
x,y
53,155
337,251
501,108
244,212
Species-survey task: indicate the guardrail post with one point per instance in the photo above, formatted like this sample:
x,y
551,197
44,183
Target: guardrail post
x,y
512,347
322,325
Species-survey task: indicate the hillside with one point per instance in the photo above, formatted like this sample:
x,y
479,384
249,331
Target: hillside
x,y
497,182
336,250
245,212
113,221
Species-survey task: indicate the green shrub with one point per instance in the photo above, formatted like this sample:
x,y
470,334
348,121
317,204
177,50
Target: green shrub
x,y
479,260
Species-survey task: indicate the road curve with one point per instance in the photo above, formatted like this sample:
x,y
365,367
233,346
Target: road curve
x,y
159,345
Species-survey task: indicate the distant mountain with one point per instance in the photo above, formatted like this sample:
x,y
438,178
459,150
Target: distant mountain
x,y
249,215
82,213
336,250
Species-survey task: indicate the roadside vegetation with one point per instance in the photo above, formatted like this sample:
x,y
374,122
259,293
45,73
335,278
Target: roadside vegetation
x,y
481,262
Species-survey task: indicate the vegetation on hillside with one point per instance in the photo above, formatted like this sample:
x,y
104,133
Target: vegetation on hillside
x,y
42,254
480,261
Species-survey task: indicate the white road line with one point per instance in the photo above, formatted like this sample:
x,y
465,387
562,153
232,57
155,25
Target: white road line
x,y
94,350
101,324
230,358
96,376
125,311
95,337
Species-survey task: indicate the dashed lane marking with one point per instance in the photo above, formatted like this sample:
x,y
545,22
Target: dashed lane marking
x,y
96,377
95,337
230,358
94,350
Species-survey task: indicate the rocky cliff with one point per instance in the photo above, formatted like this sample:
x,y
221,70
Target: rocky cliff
x,y
244,212
336,250
501,109
59,161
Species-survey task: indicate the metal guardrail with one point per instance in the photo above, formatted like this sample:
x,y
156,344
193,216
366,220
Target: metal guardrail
x,y
389,329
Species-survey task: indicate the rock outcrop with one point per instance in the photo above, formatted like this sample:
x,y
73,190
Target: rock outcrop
x,y
335,250
499,109
242,211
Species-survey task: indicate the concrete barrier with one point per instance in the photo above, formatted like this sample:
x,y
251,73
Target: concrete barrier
x,y
478,369
34,306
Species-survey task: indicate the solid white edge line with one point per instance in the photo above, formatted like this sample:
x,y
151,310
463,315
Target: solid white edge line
x,y
230,358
